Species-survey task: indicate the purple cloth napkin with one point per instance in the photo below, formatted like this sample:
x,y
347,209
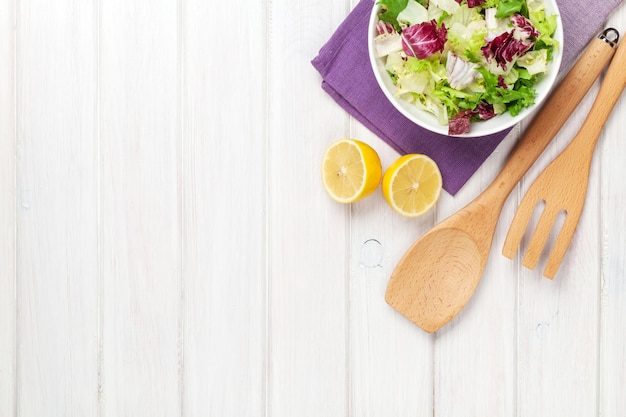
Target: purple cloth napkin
x,y
343,63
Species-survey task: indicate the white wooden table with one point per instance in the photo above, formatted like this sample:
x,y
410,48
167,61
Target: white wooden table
x,y
167,249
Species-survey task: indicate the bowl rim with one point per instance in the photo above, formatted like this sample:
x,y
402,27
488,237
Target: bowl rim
x,y
502,122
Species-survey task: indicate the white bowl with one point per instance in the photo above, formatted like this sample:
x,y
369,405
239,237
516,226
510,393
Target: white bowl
x,y
482,128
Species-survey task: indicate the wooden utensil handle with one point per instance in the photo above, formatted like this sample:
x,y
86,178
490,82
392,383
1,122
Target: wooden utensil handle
x,y
610,91
552,115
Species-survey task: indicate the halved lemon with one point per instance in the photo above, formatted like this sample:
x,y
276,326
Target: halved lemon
x,y
351,170
412,185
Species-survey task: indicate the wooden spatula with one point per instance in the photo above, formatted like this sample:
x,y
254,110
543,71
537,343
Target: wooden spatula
x,y
437,276
563,184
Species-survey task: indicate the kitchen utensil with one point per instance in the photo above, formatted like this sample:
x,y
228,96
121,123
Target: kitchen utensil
x,y
563,183
439,273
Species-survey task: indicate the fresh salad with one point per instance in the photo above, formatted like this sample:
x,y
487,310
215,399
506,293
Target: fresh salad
x,y
465,60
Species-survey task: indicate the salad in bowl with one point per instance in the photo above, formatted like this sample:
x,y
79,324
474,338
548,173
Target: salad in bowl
x,y
465,67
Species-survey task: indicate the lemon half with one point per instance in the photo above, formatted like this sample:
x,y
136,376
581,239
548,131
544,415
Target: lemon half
x,y
351,170
412,185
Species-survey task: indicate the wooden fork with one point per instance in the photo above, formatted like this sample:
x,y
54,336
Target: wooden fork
x,y
563,184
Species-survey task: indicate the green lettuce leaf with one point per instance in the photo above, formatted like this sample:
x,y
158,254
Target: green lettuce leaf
x,y
508,7
522,95
390,9
535,62
466,33
413,13
456,100
431,65
546,25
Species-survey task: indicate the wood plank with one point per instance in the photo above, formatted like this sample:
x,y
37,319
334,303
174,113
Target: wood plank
x,y
613,243
480,343
558,319
141,136
8,204
57,224
224,198
308,233
391,359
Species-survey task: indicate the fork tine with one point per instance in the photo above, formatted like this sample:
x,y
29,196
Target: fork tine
x,y
518,225
540,237
561,244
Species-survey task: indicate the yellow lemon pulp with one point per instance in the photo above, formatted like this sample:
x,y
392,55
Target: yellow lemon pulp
x,y
412,185
351,170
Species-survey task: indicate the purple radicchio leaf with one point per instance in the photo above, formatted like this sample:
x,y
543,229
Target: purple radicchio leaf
x,y
424,39
384,28
524,26
460,72
387,39
485,111
474,3
505,48
461,122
